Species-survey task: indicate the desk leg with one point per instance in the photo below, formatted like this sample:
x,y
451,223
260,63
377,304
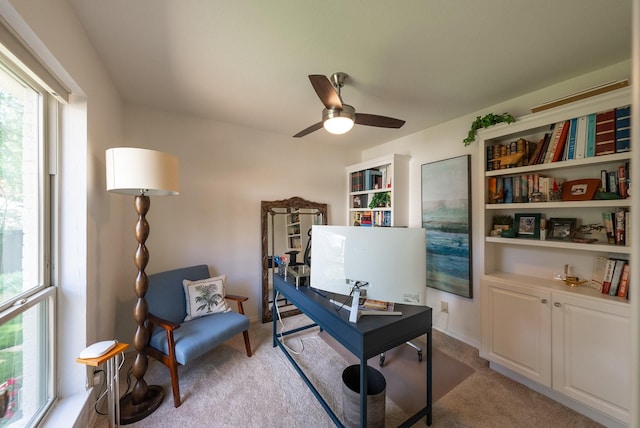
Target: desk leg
x,y
116,390
112,418
363,393
274,313
429,379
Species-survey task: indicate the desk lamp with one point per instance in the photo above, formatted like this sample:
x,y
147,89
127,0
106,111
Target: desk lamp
x,y
143,173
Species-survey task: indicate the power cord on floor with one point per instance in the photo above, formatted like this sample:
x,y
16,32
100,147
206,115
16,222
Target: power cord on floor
x,y
281,335
103,385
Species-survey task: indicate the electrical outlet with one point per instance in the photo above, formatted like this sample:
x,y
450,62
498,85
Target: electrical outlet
x,y
444,306
96,377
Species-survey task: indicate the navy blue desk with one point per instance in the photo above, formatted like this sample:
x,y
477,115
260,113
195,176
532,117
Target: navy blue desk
x,y
369,337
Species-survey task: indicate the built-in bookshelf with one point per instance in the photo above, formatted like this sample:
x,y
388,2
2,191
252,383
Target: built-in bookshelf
x,y
378,192
536,279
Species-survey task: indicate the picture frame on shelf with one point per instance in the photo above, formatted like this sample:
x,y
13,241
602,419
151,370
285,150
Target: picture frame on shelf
x,y
580,190
527,226
561,229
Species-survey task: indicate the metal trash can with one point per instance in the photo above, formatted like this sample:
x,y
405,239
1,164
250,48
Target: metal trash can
x,y
376,394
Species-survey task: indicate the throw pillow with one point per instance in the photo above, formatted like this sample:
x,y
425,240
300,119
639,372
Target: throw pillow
x,y
205,297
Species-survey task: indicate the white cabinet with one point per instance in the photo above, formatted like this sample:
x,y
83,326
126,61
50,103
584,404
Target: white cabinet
x,y
388,175
516,328
572,340
592,352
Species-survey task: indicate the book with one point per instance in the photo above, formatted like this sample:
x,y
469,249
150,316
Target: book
x,y
372,179
581,138
612,181
623,287
619,226
558,151
378,305
553,142
604,180
492,187
591,136
545,146
607,220
489,159
599,270
605,138
508,190
627,226
622,181
615,278
499,190
623,129
608,275
536,153
570,147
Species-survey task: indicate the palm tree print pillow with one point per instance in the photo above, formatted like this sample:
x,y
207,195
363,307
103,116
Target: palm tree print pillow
x,y
205,297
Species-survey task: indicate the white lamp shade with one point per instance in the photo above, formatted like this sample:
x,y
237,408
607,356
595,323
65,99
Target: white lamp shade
x,y
338,125
135,171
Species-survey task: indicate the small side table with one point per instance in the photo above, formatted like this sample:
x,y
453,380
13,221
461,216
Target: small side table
x,y
112,358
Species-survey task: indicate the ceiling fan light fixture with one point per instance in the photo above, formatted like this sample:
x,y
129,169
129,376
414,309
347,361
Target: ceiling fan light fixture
x,y
338,121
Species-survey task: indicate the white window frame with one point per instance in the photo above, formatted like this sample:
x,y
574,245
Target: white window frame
x,y
45,292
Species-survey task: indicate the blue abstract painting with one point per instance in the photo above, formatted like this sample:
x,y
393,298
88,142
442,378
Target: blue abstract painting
x,y
446,216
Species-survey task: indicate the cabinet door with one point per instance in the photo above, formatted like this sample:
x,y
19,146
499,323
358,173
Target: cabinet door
x,y
516,329
591,353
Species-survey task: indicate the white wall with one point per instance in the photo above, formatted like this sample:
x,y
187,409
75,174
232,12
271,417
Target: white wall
x,y
225,171
445,141
90,222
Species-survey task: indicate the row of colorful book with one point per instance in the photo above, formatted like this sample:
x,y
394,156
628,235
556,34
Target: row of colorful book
x,y
370,179
595,134
617,225
537,187
617,181
524,188
611,276
371,218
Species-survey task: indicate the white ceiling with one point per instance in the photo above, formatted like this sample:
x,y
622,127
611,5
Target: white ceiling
x,y
424,61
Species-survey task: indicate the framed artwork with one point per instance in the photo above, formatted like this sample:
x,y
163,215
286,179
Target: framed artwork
x,y
561,229
580,190
446,216
527,226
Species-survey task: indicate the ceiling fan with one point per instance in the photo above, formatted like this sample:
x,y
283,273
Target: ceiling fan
x,y
338,117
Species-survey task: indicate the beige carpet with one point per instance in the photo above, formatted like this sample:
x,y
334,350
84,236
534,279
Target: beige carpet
x,y
226,389
406,374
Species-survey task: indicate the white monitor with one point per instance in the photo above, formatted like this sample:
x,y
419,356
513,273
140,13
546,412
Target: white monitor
x,y
391,260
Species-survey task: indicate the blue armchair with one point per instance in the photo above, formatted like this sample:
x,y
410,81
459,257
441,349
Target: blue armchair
x,y
174,341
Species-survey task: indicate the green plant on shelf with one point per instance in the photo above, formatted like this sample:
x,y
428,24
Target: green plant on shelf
x,y
503,219
380,199
485,122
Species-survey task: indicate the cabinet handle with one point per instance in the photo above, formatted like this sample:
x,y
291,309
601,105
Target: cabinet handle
x,y
544,301
557,304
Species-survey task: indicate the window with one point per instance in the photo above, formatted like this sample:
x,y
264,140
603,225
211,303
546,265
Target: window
x,y
27,299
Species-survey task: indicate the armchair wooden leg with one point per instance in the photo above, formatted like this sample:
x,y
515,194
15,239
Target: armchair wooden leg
x,y
246,342
175,385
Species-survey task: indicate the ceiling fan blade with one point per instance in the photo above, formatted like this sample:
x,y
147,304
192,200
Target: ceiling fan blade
x,y
325,91
380,121
309,130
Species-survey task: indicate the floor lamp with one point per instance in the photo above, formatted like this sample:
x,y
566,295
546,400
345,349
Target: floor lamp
x,y
143,173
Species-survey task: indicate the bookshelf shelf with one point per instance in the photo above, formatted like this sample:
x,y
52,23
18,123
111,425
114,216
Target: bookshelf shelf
x,y
518,294
613,249
613,203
